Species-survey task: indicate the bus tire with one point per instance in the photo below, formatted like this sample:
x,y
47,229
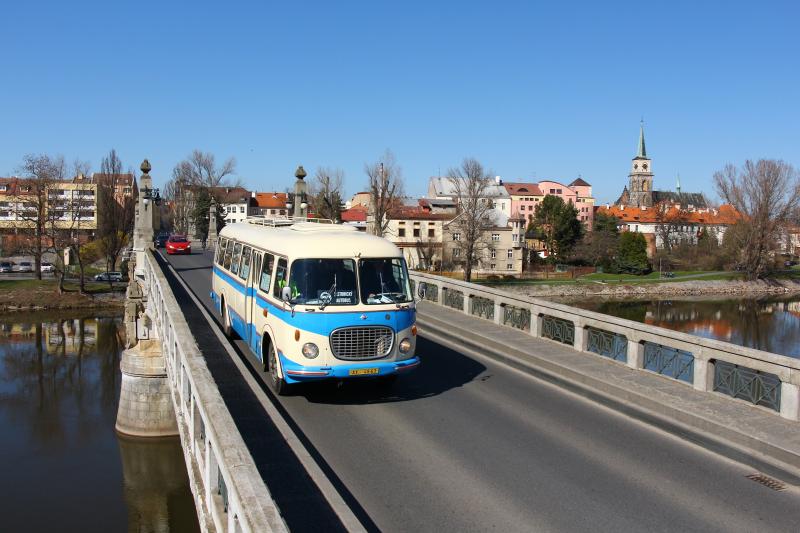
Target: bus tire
x,y
226,319
274,380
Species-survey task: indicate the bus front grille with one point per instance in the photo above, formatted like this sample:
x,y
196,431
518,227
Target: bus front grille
x,y
358,343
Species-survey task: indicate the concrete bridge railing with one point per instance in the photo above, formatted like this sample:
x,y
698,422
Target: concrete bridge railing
x,y
766,380
229,493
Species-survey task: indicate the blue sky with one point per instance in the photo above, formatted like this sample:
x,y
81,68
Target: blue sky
x,y
534,90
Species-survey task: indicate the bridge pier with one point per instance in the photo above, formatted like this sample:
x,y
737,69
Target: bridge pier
x,y
145,404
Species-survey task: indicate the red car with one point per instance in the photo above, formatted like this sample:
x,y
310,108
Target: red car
x,y
178,244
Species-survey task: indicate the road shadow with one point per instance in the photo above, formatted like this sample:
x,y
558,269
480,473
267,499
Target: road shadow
x,y
442,369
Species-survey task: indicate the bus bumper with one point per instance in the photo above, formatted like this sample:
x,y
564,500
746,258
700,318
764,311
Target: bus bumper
x,y
295,373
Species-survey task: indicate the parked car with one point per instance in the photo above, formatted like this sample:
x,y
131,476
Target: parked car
x,y
6,266
108,276
178,244
25,266
161,240
48,267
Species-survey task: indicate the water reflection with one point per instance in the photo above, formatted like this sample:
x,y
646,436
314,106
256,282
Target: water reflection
x,y
770,324
59,388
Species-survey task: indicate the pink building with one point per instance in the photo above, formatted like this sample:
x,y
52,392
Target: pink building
x,y
526,196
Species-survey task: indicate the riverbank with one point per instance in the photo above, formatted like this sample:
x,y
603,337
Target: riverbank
x,y
695,287
42,295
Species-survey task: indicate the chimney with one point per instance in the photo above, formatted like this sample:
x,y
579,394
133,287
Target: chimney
x,y
644,208
622,207
497,180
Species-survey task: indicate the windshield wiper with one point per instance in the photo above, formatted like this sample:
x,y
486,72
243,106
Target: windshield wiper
x,y
332,292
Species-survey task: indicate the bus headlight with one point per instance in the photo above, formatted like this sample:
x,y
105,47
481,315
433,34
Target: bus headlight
x,y
310,350
404,346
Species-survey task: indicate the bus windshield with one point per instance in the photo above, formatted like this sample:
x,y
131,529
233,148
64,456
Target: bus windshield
x,y
323,282
384,281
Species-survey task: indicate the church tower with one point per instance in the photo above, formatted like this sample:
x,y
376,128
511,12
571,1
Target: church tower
x,y
640,189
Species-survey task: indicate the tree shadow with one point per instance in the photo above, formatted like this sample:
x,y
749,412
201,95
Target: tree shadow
x,y
442,369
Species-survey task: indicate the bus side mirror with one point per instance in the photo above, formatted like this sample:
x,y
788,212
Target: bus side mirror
x,y
286,294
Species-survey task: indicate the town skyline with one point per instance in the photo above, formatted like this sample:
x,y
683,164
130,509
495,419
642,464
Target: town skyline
x,y
533,92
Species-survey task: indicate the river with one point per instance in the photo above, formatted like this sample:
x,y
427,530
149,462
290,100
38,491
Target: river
x,y
64,466
770,323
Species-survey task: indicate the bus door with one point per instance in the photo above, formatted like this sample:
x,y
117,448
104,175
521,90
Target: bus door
x,y
262,280
250,304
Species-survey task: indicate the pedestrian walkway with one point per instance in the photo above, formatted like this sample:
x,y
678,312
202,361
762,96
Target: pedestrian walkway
x,y
752,435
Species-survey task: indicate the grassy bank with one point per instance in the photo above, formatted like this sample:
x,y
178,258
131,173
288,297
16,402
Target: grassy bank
x,y
33,294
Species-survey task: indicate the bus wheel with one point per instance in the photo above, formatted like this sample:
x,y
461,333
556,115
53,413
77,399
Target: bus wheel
x,y
276,382
226,323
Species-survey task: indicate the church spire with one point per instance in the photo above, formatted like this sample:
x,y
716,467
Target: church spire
x,y
678,187
642,151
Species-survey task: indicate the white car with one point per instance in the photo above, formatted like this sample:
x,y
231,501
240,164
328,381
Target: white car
x,y
25,266
48,267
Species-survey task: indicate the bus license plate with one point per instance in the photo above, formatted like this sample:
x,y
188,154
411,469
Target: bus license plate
x,y
363,371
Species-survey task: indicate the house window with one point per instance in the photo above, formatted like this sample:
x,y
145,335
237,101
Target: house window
x,y
431,232
495,237
401,232
456,252
456,236
241,209
510,254
271,211
493,266
416,232
494,253
509,266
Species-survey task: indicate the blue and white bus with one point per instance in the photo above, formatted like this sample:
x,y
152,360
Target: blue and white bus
x,y
315,301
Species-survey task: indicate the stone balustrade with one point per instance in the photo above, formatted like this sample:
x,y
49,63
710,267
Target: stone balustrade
x,y
229,493
763,379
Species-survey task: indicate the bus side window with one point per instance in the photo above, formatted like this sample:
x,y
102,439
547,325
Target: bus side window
x,y
220,251
244,270
256,268
228,252
280,278
266,273
237,254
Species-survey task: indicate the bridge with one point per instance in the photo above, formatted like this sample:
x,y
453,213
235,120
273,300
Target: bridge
x,y
525,415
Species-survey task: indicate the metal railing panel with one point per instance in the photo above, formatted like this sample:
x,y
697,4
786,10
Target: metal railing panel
x,y
753,386
558,329
670,362
606,343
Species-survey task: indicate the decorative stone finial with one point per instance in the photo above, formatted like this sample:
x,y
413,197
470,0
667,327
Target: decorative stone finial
x,y
300,173
145,168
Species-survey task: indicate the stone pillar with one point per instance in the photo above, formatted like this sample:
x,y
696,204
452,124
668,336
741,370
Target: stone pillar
x,y
580,337
635,354
145,404
211,240
144,219
703,378
300,194
790,400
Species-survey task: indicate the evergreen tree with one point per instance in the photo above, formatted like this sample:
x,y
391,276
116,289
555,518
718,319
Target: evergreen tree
x,y
556,223
200,213
632,254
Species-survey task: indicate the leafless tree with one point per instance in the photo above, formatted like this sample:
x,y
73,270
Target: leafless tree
x,y
670,221
767,195
385,185
196,172
469,183
325,192
41,172
427,250
115,208
200,169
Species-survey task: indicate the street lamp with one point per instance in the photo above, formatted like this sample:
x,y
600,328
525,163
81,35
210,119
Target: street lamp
x,y
151,194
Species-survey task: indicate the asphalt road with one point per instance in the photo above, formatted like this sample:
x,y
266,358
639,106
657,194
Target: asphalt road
x,y
468,444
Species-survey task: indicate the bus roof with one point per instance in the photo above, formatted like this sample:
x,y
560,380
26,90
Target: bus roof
x,y
311,240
